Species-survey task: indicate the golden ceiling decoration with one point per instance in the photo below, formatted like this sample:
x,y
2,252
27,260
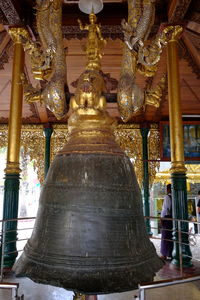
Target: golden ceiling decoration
x,y
193,174
153,152
130,140
127,135
3,136
33,141
58,139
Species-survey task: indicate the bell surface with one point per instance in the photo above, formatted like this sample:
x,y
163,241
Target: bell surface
x,y
89,234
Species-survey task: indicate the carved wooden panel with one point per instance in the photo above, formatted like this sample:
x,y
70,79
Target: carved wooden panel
x,y
10,12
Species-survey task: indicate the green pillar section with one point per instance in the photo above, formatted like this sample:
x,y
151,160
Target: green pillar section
x,y
10,211
48,132
178,170
144,133
180,211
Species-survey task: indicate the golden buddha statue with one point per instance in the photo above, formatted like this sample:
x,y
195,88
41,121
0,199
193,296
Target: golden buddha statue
x,y
95,42
88,103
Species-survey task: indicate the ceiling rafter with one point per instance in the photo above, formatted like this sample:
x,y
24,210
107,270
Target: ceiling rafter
x,y
4,57
42,112
192,50
4,43
1,28
5,86
194,26
192,90
173,11
177,10
10,12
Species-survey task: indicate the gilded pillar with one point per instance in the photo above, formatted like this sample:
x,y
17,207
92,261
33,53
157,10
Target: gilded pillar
x,y
145,184
47,158
12,171
178,170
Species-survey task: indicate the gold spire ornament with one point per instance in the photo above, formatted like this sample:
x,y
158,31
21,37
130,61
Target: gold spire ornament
x,y
94,44
88,104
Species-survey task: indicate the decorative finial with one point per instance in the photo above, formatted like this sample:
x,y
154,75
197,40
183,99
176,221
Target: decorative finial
x,y
95,43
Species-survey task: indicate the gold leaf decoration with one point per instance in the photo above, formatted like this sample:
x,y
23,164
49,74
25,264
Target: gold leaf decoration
x,y
58,138
153,152
33,142
130,140
3,136
127,135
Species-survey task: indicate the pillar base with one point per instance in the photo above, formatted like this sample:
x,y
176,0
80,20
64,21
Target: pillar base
x,y
148,227
180,212
185,264
10,211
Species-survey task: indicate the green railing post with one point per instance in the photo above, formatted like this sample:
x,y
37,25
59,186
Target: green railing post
x,y
180,211
10,211
47,158
145,192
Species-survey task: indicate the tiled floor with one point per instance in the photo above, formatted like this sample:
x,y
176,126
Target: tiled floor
x,y
34,291
184,291
189,291
170,271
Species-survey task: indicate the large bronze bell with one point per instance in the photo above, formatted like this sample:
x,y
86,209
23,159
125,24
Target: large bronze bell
x,y
89,234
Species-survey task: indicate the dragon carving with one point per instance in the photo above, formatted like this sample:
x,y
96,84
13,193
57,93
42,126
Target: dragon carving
x,y
48,59
140,57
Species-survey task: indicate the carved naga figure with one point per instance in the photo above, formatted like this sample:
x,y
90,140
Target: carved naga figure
x,y
48,60
138,57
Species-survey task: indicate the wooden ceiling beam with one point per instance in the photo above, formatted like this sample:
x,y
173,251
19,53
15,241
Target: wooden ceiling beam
x,y
41,112
10,12
4,43
1,28
177,10
194,26
192,91
191,48
4,48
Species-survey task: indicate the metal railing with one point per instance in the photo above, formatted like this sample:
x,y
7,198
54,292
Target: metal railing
x,y
4,243
144,289
22,240
14,290
177,230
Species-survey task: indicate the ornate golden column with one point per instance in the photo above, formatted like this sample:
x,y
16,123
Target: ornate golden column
x,y
175,116
178,170
12,171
